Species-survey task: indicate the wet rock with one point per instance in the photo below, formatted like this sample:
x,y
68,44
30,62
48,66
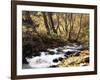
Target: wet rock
x,y
53,66
51,52
55,60
60,58
36,54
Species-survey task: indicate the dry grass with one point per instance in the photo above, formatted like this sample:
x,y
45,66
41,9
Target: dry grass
x,y
76,60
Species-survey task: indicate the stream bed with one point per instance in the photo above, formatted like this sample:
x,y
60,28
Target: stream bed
x,y
63,56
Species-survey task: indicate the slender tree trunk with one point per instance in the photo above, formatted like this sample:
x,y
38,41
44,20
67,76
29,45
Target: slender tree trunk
x,y
46,23
79,28
51,22
57,22
71,26
66,24
57,26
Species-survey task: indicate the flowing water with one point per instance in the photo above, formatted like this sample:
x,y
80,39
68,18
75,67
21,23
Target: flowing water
x,y
52,57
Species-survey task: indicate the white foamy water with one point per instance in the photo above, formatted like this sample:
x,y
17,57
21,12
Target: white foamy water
x,y
44,60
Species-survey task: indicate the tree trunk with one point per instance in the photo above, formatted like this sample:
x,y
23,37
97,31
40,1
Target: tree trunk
x,y
79,28
71,26
51,22
46,23
66,24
